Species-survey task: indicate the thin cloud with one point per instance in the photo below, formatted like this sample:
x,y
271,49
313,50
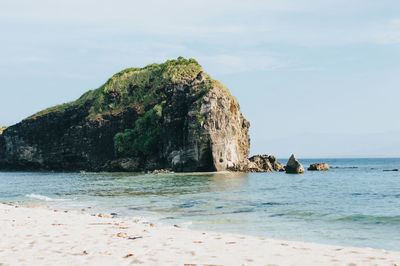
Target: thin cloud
x,y
229,64
251,23
388,32
34,59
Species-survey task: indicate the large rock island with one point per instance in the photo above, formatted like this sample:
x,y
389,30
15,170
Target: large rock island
x,y
170,115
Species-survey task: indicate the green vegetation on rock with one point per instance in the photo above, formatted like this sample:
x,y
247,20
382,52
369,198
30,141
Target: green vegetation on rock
x,y
138,87
144,138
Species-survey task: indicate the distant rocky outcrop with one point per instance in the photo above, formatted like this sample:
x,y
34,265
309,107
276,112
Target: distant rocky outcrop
x,y
318,167
162,116
293,166
391,170
264,163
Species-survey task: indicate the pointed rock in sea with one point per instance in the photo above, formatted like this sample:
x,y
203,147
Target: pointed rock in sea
x,y
293,166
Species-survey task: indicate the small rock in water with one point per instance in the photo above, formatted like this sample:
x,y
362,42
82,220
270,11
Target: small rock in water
x,y
293,166
264,163
319,167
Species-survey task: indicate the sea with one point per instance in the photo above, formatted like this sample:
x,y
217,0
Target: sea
x,y
355,203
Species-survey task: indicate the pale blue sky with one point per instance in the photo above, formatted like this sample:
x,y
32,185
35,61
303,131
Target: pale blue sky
x,y
316,78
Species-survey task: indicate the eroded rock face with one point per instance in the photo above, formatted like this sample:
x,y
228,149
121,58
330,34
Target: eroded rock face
x,y
293,166
264,163
319,167
199,123
215,135
63,141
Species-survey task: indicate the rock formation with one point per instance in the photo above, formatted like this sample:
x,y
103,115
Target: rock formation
x,y
264,163
162,116
293,166
319,167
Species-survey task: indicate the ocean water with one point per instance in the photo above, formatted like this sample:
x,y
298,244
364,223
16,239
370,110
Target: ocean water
x,y
356,204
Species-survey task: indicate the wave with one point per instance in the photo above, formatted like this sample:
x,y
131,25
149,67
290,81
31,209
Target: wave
x,y
41,197
296,214
370,219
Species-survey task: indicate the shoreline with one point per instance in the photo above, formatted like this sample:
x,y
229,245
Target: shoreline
x,y
45,236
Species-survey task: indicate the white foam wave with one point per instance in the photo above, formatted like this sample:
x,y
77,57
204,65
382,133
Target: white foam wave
x,y
41,197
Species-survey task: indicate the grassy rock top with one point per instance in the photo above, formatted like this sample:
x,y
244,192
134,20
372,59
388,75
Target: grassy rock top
x,y
141,88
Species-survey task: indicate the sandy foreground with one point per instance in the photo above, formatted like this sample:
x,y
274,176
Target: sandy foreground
x,y
43,236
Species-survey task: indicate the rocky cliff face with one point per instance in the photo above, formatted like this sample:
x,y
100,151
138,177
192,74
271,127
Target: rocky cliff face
x,y
170,115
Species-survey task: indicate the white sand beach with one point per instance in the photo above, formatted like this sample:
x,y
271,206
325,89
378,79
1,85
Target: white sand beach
x,y
44,236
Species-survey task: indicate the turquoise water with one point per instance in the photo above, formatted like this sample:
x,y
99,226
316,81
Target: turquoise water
x,y
357,204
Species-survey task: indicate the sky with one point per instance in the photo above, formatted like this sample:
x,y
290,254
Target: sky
x,y
314,78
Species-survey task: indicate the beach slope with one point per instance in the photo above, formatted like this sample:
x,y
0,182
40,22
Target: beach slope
x,y
44,236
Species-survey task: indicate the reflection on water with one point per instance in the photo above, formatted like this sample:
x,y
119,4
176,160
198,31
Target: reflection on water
x,y
126,184
347,205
